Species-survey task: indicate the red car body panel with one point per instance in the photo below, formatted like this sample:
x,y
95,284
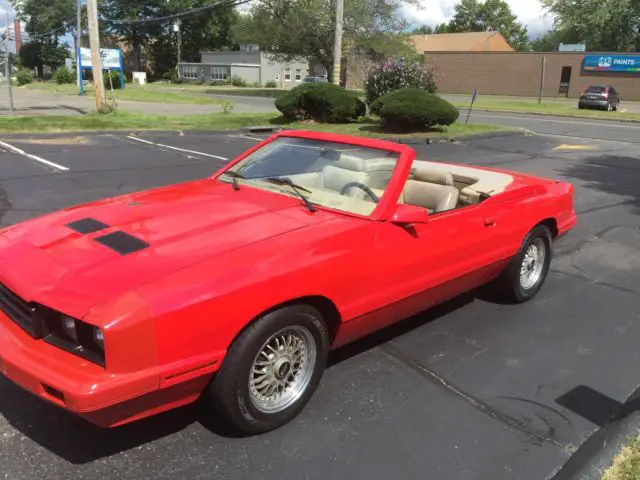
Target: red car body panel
x,y
219,258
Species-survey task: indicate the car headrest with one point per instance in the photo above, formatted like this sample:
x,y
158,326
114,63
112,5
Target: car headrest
x,y
432,176
349,162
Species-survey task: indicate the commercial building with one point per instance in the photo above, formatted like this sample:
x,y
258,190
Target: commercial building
x,y
250,64
557,74
357,64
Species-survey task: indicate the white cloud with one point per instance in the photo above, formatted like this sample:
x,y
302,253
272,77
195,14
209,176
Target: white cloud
x,y
432,12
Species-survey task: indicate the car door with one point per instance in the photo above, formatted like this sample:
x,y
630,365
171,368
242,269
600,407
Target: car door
x,y
421,265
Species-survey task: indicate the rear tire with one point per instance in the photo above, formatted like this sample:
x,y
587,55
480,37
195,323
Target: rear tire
x,y
526,273
271,370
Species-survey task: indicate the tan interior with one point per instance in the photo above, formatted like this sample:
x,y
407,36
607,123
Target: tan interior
x,y
435,186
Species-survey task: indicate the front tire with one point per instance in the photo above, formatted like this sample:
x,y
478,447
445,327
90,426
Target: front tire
x,y
528,270
272,369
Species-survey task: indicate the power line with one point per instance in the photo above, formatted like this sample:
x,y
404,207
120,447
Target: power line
x,y
194,11
175,16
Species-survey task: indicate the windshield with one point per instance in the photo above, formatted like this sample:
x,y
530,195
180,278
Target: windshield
x,y
334,175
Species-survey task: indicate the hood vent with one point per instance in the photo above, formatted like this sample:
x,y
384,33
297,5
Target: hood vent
x,y
87,225
122,242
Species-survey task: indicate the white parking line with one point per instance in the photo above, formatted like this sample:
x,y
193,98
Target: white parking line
x,y
550,120
130,137
34,157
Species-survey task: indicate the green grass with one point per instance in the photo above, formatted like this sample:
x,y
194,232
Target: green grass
x,y
253,92
133,93
626,466
562,107
368,127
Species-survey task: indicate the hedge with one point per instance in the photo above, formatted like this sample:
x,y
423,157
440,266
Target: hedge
x,y
414,108
322,102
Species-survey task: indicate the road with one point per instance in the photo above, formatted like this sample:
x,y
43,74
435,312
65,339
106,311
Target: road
x,y
560,126
474,389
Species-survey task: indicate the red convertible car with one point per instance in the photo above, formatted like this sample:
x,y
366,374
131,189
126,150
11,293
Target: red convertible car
x,y
233,289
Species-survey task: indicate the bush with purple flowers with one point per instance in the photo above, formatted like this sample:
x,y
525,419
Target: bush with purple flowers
x,y
397,73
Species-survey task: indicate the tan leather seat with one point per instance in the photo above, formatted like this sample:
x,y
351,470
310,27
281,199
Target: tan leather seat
x,y
338,174
435,198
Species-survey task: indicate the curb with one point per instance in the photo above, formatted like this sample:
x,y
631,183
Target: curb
x,y
457,139
595,455
558,115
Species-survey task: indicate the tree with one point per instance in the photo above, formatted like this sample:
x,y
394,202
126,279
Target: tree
x,y
551,40
209,29
292,29
43,16
429,30
608,25
491,15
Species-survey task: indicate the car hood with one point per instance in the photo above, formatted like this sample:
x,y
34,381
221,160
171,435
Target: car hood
x,y
45,261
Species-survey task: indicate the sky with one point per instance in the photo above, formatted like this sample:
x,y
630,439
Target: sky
x,y
433,12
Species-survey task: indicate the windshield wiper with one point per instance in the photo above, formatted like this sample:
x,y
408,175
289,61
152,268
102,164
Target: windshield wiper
x,y
235,176
296,188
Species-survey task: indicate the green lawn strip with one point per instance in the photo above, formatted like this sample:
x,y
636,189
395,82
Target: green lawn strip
x,y
549,108
217,121
626,466
132,93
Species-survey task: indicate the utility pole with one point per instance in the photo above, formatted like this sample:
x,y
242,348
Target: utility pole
x,y
7,66
79,43
337,45
96,59
543,74
178,28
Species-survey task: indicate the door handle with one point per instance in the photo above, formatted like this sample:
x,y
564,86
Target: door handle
x,y
489,221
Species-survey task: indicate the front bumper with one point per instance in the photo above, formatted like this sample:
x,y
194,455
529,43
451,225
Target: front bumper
x,y
84,388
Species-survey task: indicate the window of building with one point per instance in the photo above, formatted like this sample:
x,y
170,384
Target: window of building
x,y
287,74
298,74
219,73
192,72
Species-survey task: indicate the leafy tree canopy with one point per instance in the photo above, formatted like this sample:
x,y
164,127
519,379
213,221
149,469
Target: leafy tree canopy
x,y
490,15
608,25
292,29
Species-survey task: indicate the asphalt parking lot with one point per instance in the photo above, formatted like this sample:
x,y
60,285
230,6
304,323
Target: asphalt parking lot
x,y
471,390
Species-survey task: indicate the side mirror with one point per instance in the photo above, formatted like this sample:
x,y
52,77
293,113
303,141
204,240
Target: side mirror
x,y
409,214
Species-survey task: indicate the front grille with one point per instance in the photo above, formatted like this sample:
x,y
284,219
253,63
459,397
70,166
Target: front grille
x,y
17,309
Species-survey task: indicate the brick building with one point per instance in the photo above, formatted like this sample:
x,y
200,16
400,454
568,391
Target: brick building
x,y
521,74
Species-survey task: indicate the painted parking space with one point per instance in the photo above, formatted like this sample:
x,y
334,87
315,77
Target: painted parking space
x,y
471,389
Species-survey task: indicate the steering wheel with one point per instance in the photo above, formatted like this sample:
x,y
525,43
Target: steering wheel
x,y
366,189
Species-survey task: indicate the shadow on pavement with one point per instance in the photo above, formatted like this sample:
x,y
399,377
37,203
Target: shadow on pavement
x,y
610,174
80,442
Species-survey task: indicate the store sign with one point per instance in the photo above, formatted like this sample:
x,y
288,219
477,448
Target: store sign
x,y
612,63
110,58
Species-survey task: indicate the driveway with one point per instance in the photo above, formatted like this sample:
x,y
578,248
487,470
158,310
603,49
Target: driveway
x,y
473,389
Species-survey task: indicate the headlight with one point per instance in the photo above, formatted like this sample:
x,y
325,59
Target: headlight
x,y
98,336
69,327
75,337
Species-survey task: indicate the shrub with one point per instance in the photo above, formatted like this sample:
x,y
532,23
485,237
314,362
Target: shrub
x,y
24,77
115,79
271,84
63,76
322,102
237,81
219,83
395,74
414,108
